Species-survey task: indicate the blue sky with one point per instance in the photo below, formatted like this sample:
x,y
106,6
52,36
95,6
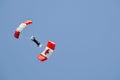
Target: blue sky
x,y
86,33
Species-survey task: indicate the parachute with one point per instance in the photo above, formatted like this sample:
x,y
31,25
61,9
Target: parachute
x,y
21,27
49,49
47,52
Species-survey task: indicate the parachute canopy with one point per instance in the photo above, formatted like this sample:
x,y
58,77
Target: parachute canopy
x,y
21,27
47,52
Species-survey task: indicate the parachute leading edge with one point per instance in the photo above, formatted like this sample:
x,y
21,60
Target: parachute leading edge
x,y
47,52
21,27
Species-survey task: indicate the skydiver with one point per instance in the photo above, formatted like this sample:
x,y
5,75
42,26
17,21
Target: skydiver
x,y
36,41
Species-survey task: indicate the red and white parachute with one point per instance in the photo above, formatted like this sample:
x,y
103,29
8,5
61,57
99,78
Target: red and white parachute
x,y
47,52
50,47
21,27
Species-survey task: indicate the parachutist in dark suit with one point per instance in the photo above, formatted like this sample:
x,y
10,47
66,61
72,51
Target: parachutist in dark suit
x,y
36,41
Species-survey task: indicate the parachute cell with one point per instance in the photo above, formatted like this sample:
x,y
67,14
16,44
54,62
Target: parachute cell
x,y
21,27
47,52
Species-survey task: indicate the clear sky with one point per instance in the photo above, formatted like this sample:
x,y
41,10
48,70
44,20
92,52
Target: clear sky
x,y
86,32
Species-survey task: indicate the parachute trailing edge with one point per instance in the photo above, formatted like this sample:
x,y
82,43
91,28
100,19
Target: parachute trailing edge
x,y
21,27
